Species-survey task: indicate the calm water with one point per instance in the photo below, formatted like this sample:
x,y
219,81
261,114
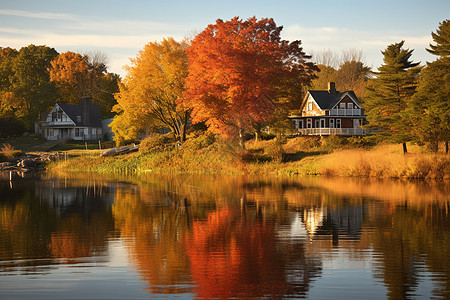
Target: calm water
x,y
223,237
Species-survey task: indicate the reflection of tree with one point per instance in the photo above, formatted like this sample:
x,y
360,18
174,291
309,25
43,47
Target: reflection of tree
x,y
33,224
152,233
235,255
407,238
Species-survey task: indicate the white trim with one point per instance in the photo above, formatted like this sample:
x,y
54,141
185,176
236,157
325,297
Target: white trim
x,y
356,102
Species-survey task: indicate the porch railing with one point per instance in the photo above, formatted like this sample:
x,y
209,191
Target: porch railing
x,y
332,131
345,112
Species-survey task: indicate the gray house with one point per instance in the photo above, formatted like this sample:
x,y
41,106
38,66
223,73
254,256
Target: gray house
x,y
72,121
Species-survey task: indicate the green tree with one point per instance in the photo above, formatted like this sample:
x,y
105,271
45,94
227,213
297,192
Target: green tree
x,y
442,40
430,106
9,124
33,91
387,96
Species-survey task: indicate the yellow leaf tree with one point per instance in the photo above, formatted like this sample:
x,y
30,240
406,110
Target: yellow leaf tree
x,y
149,93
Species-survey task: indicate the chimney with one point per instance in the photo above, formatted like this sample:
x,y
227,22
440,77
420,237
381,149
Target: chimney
x,y
331,88
85,110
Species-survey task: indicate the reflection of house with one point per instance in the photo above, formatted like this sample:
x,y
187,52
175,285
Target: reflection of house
x,y
330,112
70,121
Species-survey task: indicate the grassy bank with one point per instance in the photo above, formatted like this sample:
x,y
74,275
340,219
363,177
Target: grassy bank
x,y
305,156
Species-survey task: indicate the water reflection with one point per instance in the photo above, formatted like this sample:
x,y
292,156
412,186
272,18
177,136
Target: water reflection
x,y
235,237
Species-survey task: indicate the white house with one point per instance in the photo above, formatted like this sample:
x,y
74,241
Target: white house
x,y
72,121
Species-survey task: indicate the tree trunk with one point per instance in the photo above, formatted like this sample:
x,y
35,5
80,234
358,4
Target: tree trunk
x,y
256,137
241,139
405,150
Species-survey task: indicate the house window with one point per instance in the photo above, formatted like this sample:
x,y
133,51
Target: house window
x,y
350,105
331,123
338,123
342,105
317,124
300,124
78,132
79,119
310,106
322,123
308,123
57,115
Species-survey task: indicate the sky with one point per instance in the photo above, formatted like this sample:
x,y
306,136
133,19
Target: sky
x,y
120,29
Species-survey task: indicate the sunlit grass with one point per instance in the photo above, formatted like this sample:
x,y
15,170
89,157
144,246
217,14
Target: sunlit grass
x,y
294,156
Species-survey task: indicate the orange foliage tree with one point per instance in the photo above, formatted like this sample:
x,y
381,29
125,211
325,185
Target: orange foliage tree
x,y
149,93
239,71
78,76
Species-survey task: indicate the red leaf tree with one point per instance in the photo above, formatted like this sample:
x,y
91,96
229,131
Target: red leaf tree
x,y
239,71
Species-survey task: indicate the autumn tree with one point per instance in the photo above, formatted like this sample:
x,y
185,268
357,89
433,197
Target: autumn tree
x,y
79,76
430,106
149,93
237,71
347,70
387,97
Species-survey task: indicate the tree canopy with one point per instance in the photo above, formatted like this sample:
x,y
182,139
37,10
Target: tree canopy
x,y
236,73
350,74
388,94
430,106
149,93
442,40
78,76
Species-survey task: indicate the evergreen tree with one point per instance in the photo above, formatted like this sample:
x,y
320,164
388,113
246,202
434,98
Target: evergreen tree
x,y
442,40
430,106
386,98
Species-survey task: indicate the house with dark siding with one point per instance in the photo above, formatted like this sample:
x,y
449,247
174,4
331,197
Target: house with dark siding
x,y
330,112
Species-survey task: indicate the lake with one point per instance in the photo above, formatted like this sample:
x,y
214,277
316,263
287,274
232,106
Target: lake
x,y
198,237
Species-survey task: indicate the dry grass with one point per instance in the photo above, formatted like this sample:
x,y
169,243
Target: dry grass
x,y
386,161
202,155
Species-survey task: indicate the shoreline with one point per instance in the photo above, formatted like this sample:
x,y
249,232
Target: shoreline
x,y
385,161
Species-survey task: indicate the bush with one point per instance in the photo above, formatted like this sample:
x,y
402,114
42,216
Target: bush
x,y
275,150
199,142
333,142
156,143
7,152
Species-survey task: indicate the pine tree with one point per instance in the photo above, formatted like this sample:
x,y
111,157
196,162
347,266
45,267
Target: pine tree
x,y
442,40
388,94
430,106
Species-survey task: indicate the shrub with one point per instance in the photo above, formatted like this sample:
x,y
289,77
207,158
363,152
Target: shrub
x,y
7,152
333,142
199,142
157,142
275,150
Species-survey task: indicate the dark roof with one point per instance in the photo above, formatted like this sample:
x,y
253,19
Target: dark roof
x,y
93,118
325,100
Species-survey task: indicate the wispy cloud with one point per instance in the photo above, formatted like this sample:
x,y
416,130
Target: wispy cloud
x,y
38,15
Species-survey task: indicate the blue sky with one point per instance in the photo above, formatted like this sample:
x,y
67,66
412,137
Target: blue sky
x,y
121,28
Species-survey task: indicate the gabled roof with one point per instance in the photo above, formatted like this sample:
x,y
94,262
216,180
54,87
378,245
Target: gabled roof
x,y
327,100
94,117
